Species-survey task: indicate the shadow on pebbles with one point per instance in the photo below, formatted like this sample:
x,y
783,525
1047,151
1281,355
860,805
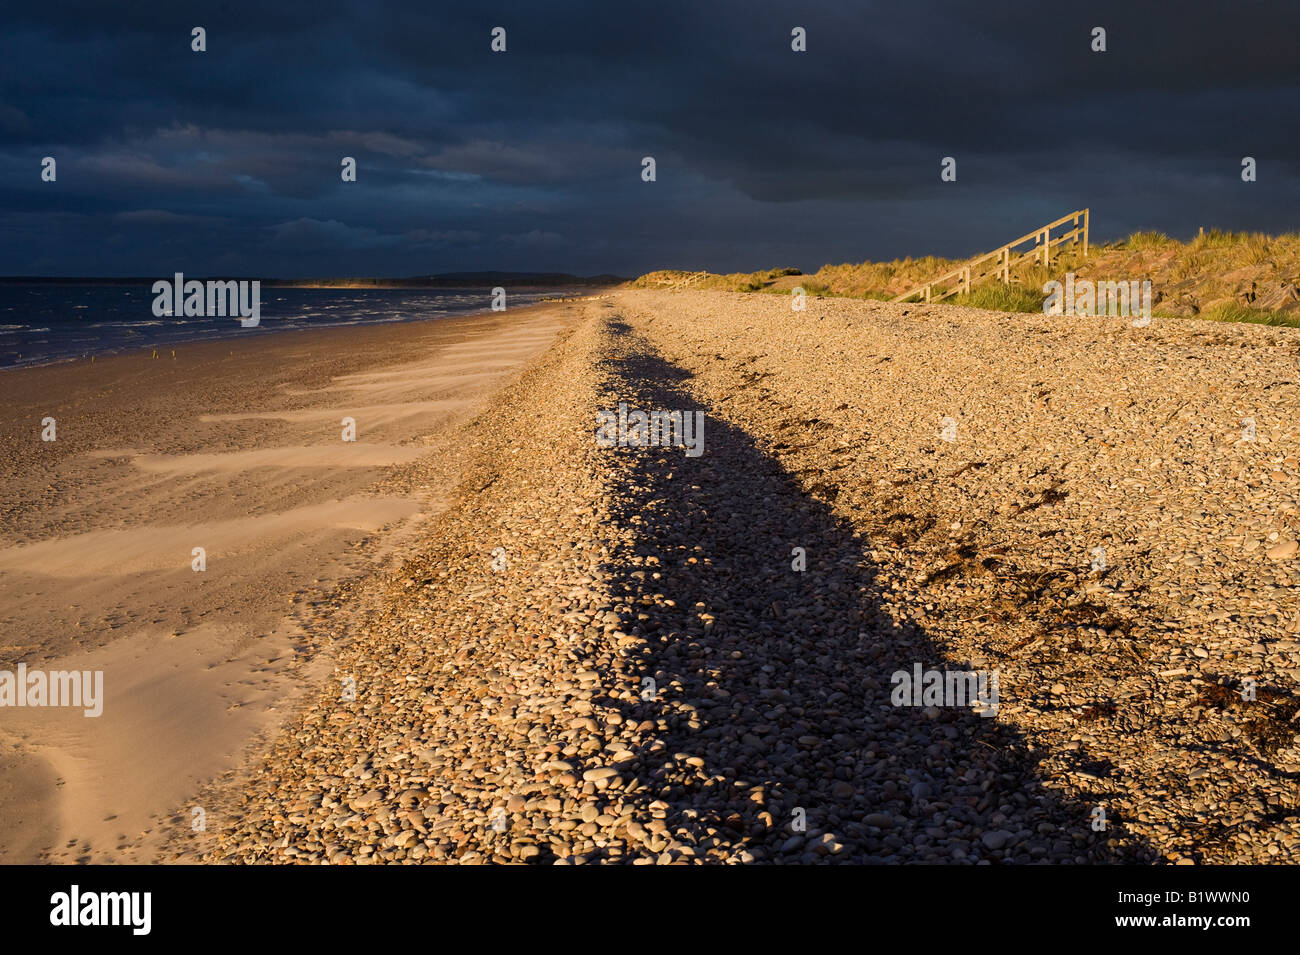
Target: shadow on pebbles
x,y
609,655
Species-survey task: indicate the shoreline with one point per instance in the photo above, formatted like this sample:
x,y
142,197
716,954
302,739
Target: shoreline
x,y
233,446
235,333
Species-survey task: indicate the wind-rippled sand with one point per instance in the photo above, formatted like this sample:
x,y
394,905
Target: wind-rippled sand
x,y
235,447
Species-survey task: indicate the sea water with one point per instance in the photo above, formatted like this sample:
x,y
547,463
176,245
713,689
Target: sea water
x,y
58,322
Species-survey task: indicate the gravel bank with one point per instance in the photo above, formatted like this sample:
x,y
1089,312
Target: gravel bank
x,y
642,673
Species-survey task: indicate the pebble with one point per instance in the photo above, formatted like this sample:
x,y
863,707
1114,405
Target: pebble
x,y
1283,550
996,839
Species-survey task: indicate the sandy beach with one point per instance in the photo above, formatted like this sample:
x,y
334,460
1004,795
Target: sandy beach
x,y
491,637
236,448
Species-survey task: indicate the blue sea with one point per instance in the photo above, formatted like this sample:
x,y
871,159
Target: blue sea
x,y
47,323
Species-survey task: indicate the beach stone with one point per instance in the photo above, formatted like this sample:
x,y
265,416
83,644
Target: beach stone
x,y
996,839
1283,550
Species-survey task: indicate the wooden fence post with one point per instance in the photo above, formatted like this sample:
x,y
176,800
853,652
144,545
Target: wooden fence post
x,y
1085,233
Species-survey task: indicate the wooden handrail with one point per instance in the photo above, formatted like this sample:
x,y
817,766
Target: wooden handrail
x,y
1043,239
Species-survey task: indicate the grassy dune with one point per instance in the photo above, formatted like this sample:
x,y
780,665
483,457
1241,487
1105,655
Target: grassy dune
x,y
1219,276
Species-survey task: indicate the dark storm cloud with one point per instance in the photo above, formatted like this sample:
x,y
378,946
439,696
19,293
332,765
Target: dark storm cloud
x,y
229,159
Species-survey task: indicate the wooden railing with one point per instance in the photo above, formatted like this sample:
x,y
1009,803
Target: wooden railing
x,y
688,281
1001,261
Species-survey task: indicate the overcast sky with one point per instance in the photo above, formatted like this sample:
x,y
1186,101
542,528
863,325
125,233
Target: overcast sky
x,y
228,161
